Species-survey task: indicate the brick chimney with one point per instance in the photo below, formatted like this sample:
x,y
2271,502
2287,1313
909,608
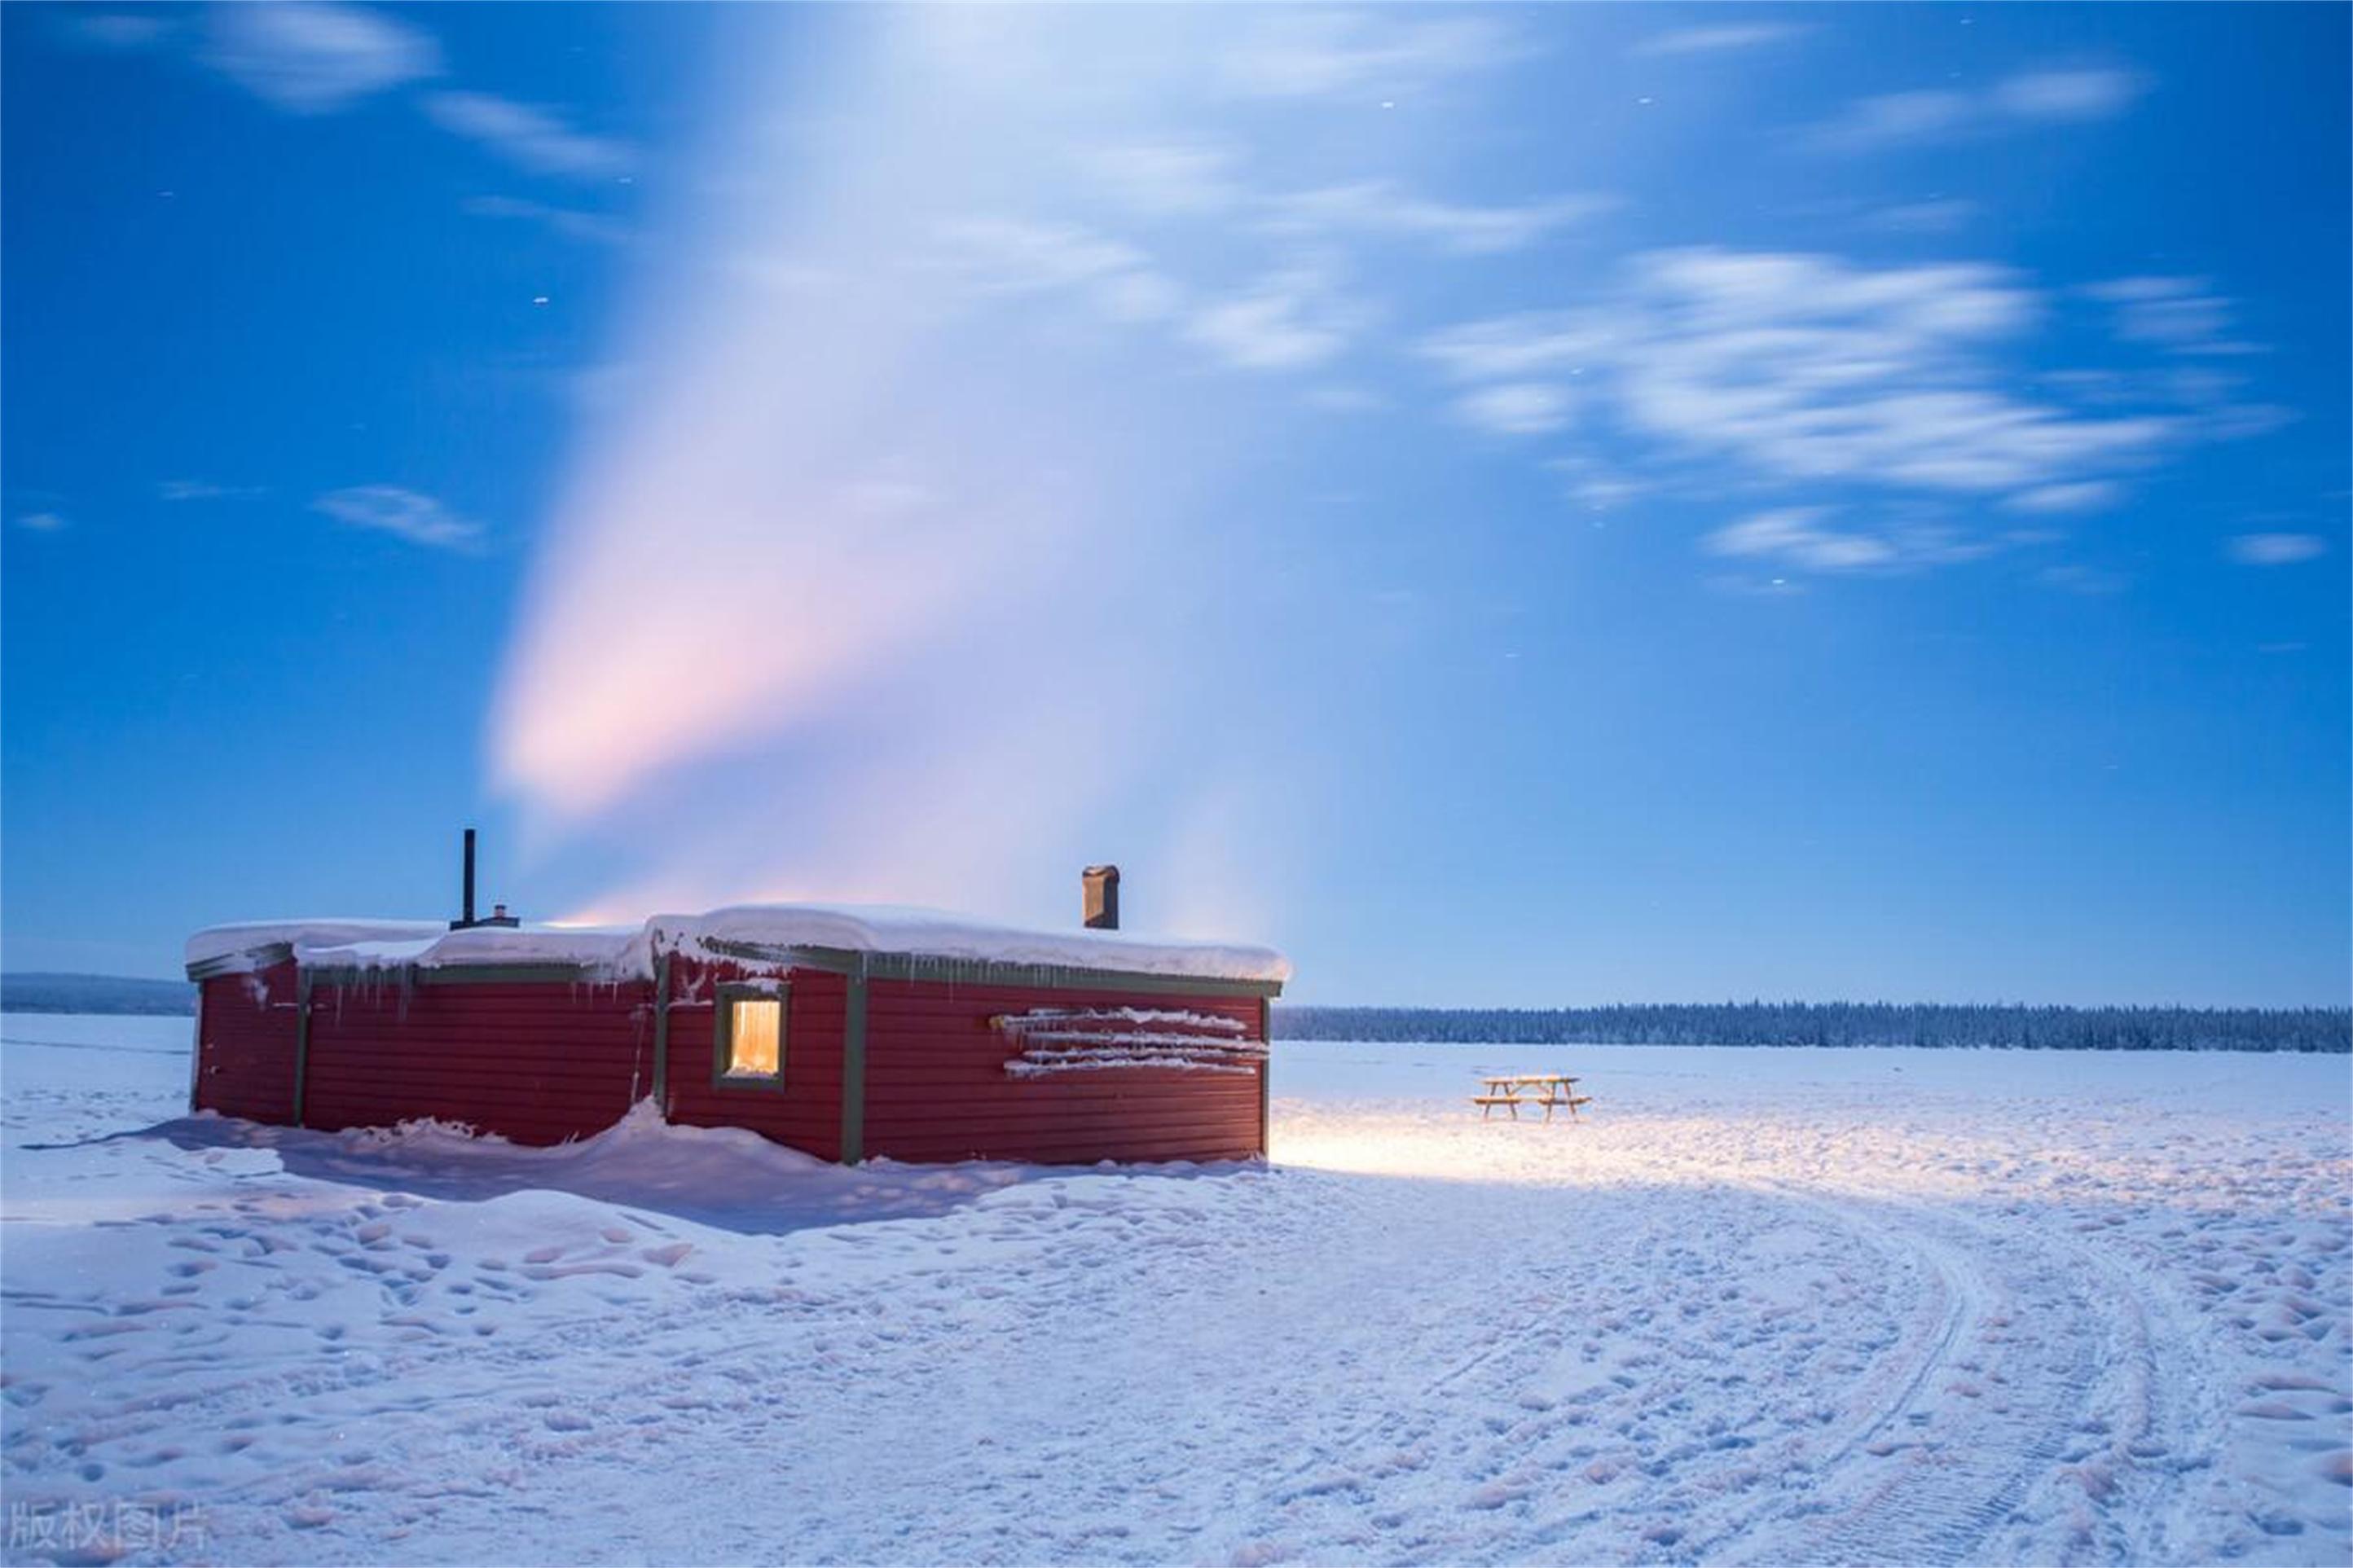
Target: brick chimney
x,y
1102,885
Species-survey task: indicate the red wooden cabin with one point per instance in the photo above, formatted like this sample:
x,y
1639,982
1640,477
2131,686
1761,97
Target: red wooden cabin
x,y
850,1032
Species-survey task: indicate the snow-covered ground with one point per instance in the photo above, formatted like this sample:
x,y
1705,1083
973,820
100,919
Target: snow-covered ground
x,y
1760,1307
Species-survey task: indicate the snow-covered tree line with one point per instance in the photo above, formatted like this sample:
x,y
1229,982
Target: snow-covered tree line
x,y
1839,1024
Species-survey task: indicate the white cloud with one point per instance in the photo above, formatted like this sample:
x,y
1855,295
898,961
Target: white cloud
x,y
1516,408
1313,53
2182,315
1715,40
41,522
2067,95
529,136
1530,343
1378,208
2082,495
403,514
2276,549
1289,321
1810,368
2043,96
1801,367
311,57
1893,117
1596,485
1797,539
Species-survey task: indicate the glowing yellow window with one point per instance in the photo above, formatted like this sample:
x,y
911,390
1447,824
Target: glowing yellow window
x,y
752,1038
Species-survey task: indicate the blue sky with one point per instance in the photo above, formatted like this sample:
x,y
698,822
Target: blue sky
x,y
1514,507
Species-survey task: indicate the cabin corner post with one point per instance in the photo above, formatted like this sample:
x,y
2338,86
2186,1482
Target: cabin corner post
x,y
302,1043
661,1035
1265,1069
853,1070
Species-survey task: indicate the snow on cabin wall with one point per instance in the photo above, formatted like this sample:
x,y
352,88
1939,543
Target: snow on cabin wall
x,y
537,1063
246,1032
937,1087
806,1112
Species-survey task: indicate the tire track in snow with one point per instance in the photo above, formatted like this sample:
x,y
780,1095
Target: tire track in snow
x,y
1976,1462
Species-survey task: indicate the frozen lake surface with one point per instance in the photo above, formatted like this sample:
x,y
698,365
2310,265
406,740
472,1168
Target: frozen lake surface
x,y
1761,1306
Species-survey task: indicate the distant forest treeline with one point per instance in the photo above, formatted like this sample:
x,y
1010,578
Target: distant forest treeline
x,y
25,992
1839,1024
1720,1024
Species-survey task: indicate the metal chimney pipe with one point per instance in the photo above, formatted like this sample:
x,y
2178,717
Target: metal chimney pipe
x,y
466,918
1101,890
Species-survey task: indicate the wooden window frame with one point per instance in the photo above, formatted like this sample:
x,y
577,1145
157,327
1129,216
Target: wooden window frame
x,y
722,1034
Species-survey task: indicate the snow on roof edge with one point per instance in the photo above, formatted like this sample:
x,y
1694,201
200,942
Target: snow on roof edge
x,y
609,951
936,933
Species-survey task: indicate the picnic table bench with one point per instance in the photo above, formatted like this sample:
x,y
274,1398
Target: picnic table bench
x,y
1515,1090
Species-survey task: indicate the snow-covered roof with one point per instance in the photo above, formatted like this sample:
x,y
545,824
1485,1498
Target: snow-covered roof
x,y
214,945
428,944
616,951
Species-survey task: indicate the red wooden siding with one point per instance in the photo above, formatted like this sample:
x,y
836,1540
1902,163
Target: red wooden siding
x,y
538,1063
541,1062
806,1112
937,1088
245,1056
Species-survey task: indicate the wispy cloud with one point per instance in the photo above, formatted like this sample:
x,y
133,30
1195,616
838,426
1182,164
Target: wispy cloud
x,y
202,489
1313,53
42,521
2083,495
1715,40
2037,97
2065,97
403,514
1808,368
1516,408
313,57
1287,321
529,136
1378,208
1799,539
319,57
2182,315
2276,549
1530,343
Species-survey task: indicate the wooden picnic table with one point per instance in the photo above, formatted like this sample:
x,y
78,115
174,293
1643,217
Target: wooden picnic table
x,y
1505,1089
